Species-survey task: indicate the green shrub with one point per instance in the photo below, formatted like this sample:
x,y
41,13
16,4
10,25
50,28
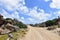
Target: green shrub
x,y
17,23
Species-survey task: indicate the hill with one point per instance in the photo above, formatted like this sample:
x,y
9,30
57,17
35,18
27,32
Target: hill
x,y
47,23
9,24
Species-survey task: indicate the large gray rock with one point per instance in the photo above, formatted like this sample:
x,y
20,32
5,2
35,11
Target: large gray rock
x,y
11,27
7,26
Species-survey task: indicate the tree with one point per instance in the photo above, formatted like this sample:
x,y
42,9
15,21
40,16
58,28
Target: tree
x,y
19,23
49,23
8,19
55,21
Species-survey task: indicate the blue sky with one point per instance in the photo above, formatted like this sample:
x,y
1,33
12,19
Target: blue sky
x,y
30,11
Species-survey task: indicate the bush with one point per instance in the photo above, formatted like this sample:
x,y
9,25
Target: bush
x,y
20,24
17,23
52,27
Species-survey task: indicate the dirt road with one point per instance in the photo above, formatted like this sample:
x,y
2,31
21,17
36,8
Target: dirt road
x,y
39,34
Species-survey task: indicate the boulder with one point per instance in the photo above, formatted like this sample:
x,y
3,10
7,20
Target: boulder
x,y
11,27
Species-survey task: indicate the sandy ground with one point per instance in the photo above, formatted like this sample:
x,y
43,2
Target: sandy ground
x,y
56,31
39,34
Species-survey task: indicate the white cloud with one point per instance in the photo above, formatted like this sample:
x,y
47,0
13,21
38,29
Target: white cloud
x,y
39,15
30,19
15,15
4,13
55,4
46,0
12,15
24,9
22,18
13,5
57,13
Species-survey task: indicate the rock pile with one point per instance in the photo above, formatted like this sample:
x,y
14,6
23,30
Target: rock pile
x,y
6,26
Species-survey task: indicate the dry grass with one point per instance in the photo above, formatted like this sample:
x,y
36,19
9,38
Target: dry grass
x,y
52,27
16,35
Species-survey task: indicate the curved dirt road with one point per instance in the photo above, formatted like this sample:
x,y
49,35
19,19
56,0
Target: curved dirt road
x,y
39,34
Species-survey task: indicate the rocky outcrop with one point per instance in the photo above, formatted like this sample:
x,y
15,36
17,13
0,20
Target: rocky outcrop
x,y
1,20
58,21
6,26
11,27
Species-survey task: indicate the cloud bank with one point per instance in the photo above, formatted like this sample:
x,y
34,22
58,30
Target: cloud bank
x,y
14,8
